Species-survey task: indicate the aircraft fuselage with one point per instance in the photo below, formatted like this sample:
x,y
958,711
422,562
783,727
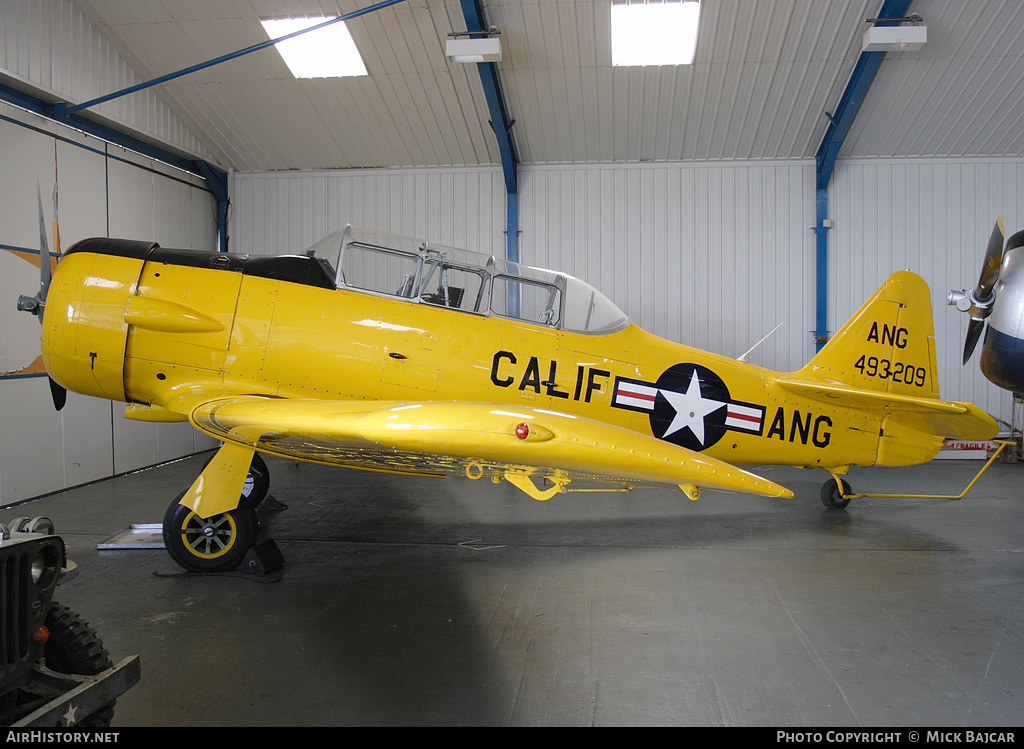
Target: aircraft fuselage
x,y
150,326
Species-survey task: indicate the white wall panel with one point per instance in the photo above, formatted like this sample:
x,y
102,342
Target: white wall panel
x,y
933,217
86,431
83,213
139,444
711,255
287,212
32,456
41,450
129,202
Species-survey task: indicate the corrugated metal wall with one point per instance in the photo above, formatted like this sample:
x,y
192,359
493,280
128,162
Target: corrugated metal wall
x,y
289,211
703,254
714,255
103,191
49,44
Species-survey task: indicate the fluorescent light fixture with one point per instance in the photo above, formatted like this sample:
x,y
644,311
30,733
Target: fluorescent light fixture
x,y
484,49
895,38
327,53
655,33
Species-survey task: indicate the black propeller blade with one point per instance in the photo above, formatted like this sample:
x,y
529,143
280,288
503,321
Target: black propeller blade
x,y
1015,241
37,304
974,329
59,394
983,296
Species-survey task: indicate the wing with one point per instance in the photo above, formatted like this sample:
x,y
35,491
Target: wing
x,y
521,445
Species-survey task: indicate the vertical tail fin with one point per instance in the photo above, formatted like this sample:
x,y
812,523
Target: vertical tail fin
x,y
887,346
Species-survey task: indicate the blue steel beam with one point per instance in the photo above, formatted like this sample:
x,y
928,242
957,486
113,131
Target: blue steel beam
x,y
502,130
216,179
825,162
63,108
43,108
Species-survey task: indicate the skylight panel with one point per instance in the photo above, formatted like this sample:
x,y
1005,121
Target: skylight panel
x,y
655,34
326,53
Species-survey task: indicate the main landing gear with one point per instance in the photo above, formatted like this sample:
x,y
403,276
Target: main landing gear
x,y
218,543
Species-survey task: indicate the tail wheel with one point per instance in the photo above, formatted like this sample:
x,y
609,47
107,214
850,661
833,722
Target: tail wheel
x,y
75,648
832,496
213,544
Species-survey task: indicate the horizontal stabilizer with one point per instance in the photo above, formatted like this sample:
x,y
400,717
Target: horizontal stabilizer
x,y
846,395
946,419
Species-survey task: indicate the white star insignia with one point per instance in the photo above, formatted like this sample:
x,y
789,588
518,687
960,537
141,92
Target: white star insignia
x,y
691,408
70,717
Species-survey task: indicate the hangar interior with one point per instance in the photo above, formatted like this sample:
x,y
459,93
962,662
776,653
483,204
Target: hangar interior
x,y
715,202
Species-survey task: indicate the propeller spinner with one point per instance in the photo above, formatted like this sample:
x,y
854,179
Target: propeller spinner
x,y
36,304
978,303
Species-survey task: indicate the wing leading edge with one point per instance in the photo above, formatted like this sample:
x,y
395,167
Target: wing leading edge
x,y
521,445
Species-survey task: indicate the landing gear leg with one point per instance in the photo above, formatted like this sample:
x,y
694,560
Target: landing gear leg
x,y
833,491
257,481
220,538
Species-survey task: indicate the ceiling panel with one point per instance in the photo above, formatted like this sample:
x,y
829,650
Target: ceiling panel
x,y
764,75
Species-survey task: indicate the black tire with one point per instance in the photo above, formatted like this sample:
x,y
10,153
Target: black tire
x,y
75,648
215,544
832,497
257,481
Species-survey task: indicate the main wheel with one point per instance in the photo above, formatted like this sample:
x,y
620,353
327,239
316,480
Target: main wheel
x,y
213,544
832,497
75,648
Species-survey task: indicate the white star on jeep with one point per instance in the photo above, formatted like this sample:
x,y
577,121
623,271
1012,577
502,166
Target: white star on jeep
x,y
691,408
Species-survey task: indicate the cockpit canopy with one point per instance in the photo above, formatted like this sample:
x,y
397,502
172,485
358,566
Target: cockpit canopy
x,y
406,268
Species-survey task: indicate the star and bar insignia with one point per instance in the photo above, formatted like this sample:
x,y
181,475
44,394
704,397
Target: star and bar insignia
x,y
689,406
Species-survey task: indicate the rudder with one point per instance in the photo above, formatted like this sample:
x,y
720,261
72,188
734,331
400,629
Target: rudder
x,y
888,345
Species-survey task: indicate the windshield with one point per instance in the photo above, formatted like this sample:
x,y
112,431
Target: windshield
x,y
394,265
589,311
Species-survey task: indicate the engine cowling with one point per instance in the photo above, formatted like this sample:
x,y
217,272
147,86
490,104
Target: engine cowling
x,y
1002,356
84,329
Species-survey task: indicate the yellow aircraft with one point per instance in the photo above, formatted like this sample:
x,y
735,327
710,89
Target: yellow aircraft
x,y
380,352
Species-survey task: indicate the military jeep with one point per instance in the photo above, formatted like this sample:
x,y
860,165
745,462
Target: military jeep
x,y
54,670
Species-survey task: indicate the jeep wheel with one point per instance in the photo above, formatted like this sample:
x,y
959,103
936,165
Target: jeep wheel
x,y
75,648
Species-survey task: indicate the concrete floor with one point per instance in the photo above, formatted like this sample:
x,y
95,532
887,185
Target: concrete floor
x,y
450,602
